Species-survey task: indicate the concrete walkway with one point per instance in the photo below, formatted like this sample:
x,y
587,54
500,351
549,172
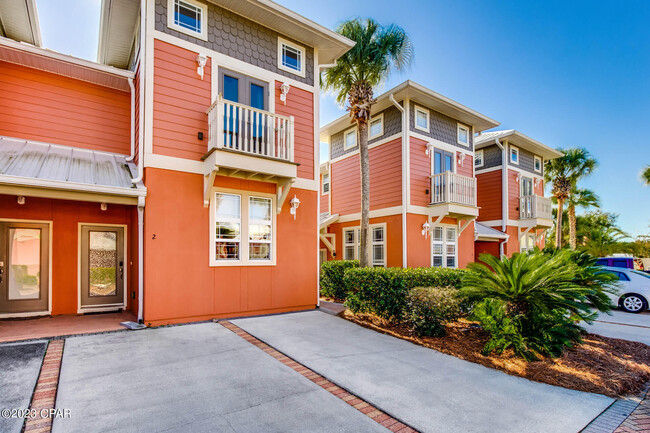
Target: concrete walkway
x,y
198,378
428,390
626,326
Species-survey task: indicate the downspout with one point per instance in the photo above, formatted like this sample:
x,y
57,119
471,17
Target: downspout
x,y
132,86
143,78
404,174
504,194
141,201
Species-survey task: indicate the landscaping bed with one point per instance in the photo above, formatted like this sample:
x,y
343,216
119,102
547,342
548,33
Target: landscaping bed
x,y
600,365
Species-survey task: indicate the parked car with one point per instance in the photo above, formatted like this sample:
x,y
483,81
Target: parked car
x,y
634,289
616,262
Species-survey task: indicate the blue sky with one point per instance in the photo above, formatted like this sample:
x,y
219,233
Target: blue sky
x,y
567,73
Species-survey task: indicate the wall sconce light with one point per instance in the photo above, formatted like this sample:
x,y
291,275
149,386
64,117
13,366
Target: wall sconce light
x,y
461,158
295,202
284,89
518,177
103,206
21,199
537,182
202,60
425,229
429,149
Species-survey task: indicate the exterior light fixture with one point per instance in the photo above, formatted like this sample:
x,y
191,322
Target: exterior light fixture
x,y
537,182
21,199
461,158
429,149
202,60
284,89
425,229
103,206
295,202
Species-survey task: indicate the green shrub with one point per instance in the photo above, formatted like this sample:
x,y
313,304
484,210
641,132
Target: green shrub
x,y
383,291
331,278
428,308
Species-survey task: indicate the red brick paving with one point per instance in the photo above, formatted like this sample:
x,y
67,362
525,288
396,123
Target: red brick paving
x,y
44,395
362,406
639,420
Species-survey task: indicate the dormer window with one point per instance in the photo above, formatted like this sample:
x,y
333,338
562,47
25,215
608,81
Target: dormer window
x,y
463,135
187,16
291,57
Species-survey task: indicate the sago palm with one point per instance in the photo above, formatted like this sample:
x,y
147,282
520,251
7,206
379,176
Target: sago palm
x,y
579,197
378,50
564,173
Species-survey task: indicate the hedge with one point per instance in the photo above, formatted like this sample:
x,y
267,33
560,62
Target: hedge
x,y
331,278
383,291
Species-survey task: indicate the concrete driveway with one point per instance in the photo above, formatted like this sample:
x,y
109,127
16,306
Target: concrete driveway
x,y
198,378
428,390
626,326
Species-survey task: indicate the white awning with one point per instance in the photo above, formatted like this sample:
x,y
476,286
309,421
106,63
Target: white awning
x,y
485,233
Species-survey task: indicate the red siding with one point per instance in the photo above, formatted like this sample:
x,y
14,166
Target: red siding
x,y
420,172
180,101
41,106
300,105
467,168
513,195
324,198
489,195
385,180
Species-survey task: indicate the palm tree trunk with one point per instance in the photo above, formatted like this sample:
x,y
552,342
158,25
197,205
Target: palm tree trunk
x,y
572,226
365,191
558,225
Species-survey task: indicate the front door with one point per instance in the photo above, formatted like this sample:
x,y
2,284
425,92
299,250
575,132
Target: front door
x,y
102,266
24,267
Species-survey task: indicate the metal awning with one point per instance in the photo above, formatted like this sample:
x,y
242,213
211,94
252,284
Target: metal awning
x,y
485,233
31,168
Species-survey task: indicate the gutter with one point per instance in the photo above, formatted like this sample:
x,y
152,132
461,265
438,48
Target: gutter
x,y
404,175
141,201
504,194
143,77
132,87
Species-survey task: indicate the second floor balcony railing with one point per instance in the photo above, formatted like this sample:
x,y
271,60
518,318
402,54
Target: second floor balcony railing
x,y
450,187
535,206
251,131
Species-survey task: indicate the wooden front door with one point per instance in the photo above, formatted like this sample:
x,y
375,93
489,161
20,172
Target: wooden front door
x,y
102,266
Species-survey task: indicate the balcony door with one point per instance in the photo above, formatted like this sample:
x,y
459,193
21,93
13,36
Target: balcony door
x,y
526,191
24,267
102,266
442,162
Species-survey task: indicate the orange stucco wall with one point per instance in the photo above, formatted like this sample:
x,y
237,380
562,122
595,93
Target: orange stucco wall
x,y
42,106
179,283
419,247
66,216
300,105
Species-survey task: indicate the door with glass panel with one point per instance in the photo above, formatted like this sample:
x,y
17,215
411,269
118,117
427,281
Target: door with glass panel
x,y
102,266
442,162
526,191
24,267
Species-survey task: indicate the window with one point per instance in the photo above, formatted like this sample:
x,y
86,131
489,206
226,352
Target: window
x,y
478,158
463,135
326,183
526,187
514,155
377,127
350,245
244,229
421,119
243,89
538,164
378,246
352,240
291,57
350,139
187,16
527,243
443,247
322,256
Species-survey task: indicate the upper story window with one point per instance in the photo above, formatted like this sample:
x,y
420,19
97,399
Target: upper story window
x,y
463,135
188,16
350,139
538,164
291,57
421,119
326,183
376,126
478,158
514,155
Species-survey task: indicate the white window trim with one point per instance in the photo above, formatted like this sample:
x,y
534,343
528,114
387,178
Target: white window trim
x,y
303,57
345,142
329,182
476,154
458,129
415,118
372,119
357,241
321,251
516,149
243,234
527,237
204,19
537,158
444,245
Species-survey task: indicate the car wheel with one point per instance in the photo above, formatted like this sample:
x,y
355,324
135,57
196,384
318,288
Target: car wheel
x,y
633,303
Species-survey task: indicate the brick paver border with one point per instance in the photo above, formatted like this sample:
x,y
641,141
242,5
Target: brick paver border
x,y
44,395
392,424
639,420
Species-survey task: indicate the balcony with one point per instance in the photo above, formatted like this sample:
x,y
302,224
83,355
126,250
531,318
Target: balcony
x,y
453,195
536,209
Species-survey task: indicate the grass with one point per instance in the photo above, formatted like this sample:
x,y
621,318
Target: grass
x,y
601,365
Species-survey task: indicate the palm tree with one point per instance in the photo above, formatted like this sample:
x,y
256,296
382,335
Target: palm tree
x,y
645,175
583,198
564,173
378,51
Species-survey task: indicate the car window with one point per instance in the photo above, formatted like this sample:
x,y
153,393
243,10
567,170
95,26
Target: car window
x,y
643,274
622,276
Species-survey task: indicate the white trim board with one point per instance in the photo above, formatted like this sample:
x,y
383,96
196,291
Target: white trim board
x,y
376,213
370,146
441,144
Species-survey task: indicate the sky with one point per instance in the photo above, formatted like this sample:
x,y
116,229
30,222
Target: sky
x,y
566,73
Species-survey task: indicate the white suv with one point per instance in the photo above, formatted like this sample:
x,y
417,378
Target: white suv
x,y
634,289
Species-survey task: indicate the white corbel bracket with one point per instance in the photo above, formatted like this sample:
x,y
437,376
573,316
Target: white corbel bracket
x,y
328,240
283,192
208,184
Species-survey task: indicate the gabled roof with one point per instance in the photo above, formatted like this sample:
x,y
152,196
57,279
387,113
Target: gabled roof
x,y
424,96
19,21
519,140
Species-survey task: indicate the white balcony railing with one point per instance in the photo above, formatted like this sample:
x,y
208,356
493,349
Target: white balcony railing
x,y
450,187
244,129
534,206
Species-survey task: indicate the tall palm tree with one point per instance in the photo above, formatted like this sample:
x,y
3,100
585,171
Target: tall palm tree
x,y
645,175
378,50
564,173
583,198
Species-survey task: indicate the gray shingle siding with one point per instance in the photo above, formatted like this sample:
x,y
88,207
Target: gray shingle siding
x,y
441,127
526,162
240,38
491,157
392,126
